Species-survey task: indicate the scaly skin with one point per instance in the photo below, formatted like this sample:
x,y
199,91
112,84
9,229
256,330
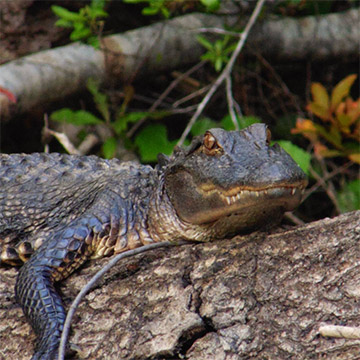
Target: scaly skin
x,y
57,211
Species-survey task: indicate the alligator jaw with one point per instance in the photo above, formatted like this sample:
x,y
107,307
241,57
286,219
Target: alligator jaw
x,y
217,204
242,196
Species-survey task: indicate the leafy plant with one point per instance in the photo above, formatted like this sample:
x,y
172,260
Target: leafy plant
x,y
211,5
217,52
164,7
300,156
86,23
118,126
337,130
349,196
153,140
154,7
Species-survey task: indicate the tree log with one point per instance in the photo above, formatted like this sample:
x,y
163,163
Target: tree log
x,y
260,296
54,74
312,38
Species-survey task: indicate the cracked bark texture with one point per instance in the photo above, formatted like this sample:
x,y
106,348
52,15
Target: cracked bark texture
x,y
260,296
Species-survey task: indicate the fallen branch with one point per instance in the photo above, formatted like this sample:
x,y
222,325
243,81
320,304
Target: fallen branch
x,y
92,283
312,38
260,296
54,74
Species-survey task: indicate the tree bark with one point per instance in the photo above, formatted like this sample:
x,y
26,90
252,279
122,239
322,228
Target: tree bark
x,y
312,38
54,74
260,296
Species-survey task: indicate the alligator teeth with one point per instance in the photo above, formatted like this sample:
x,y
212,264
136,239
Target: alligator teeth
x,y
232,199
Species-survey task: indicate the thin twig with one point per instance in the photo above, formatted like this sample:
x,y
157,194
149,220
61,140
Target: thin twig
x,y
64,141
184,110
230,101
290,216
329,175
283,85
93,281
328,189
218,31
226,72
338,331
167,91
191,96
88,143
60,137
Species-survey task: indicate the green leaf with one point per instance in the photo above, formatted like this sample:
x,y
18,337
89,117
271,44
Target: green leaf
x,y
165,12
79,117
96,13
320,95
100,99
218,46
344,121
335,136
64,23
342,90
349,196
123,120
218,64
208,56
202,125
229,49
211,5
79,33
318,110
97,4
65,14
352,146
109,148
331,136
153,140
205,42
355,157
300,156
93,41
148,11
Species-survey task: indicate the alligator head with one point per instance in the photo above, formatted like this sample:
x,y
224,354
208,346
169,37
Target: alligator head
x,y
234,181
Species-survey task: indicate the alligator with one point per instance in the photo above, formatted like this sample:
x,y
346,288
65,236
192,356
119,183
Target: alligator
x,y
58,210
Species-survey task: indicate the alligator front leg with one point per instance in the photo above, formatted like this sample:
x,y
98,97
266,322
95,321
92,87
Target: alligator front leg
x,y
35,286
42,306
58,257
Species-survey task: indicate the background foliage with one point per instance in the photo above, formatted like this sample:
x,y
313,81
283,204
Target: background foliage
x,y
313,109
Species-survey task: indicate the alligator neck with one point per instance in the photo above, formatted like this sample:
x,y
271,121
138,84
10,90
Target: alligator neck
x,y
164,224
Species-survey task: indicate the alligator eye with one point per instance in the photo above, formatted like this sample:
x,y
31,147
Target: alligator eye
x,y
268,136
210,142
210,145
